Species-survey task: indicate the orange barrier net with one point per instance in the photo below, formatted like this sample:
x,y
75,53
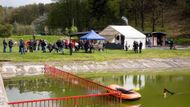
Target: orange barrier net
x,y
98,96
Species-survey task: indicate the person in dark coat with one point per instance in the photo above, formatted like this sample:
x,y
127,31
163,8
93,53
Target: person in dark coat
x,y
140,46
34,45
43,45
171,44
21,46
31,46
86,46
10,46
62,46
135,46
4,46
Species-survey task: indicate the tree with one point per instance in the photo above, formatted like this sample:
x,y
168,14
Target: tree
x,y
40,24
1,14
19,29
156,11
186,10
26,14
74,29
97,12
134,11
5,30
66,31
142,14
65,11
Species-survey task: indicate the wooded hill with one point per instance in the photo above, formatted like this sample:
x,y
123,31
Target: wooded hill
x,y
170,16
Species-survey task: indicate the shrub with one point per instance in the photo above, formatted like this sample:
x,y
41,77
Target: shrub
x,y
5,30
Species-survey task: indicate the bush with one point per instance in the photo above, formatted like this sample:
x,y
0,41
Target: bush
x,y
5,30
24,29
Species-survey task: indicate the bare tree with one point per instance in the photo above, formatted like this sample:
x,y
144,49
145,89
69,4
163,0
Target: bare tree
x,y
142,14
156,11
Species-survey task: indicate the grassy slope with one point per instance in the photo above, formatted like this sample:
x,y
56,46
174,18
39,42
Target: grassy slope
x,y
97,56
175,23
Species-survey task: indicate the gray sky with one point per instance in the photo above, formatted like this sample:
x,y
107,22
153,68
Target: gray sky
x,y
16,3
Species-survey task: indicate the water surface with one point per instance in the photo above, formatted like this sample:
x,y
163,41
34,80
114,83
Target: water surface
x,y
150,87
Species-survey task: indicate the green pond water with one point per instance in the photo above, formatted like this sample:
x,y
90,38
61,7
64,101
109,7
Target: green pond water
x,y
150,87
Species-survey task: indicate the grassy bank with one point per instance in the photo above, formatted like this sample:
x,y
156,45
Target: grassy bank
x,y
38,56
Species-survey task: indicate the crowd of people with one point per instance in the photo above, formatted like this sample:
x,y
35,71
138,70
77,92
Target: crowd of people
x,y
59,46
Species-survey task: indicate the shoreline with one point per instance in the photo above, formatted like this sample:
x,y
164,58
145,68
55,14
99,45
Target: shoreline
x,y
12,69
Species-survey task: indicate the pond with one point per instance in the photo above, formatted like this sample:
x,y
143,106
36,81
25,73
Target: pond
x,y
149,85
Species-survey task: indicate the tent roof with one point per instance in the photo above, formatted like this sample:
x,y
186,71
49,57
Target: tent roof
x,y
92,36
127,31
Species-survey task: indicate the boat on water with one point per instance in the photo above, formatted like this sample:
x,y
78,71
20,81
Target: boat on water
x,y
129,95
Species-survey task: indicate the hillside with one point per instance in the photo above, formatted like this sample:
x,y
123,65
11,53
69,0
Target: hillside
x,y
175,23
170,16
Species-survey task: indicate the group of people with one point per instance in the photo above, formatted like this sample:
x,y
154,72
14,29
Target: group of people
x,y
43,45
10,45
91,45
31,45
137,47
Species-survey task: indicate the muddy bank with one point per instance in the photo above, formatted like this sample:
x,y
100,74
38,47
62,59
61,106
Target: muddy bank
x,y
10,69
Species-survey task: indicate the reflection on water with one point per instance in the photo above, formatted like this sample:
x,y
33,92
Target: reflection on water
x,y
133,81
151,88
40,89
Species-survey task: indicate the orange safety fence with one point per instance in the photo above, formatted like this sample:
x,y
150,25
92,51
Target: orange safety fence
x,y
97,98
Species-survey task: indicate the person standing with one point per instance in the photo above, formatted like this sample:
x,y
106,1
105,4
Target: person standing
x,y
137,47
171,44
134,44
140,46
43,44
86,46
31,46
126,47
21,46
63,46
4,46
10,46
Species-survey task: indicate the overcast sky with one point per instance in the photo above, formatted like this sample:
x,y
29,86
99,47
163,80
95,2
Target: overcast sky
x,y
16,3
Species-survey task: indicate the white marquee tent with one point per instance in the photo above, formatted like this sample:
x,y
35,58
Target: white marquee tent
x,y
123,35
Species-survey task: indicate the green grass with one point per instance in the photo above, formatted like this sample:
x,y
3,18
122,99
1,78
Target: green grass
x,y
97,56
17,78
81,56
182,41
134,72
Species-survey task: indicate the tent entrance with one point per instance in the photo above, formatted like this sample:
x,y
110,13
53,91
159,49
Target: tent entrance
x,y
122,40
